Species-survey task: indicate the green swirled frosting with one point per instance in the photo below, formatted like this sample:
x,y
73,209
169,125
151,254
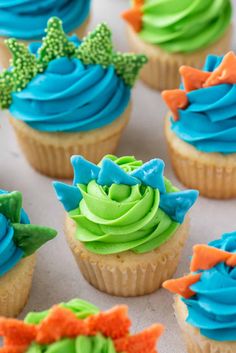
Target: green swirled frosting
x,y
117,218
184,25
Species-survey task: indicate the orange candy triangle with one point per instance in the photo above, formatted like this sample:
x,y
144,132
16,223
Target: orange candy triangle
x,y
144,342
134,15
175,99
205,257
113,323
60,323
17,333
225,73
13,349
193,78
181,285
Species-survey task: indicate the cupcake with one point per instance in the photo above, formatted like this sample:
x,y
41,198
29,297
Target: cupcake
x,y
205,302
19,241
77,326
174,33
126,223
201,130
68,97
26,20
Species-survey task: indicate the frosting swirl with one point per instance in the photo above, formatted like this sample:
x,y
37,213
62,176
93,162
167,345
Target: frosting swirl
x,y
70,96
26,19
212,309
174,25
123,204
209,121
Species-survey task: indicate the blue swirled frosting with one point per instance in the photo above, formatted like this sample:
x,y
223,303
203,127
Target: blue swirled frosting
x,y
213,308
209,122
71,97
27,19
10,254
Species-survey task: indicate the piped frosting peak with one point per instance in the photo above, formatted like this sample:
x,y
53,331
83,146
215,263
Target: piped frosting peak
x,y
194,79
95,49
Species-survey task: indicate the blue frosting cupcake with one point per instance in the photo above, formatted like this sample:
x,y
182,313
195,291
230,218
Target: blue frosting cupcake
x,y
68,96
26,19
205,306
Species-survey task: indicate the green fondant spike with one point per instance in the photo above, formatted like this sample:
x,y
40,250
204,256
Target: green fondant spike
x,y
128,66
97,47
29,237
6,87
10,206
24,64
55,44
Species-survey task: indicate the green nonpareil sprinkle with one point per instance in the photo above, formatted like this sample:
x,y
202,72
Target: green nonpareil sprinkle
x,y
96,49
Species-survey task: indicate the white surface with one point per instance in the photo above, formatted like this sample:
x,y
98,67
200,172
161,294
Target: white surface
x,y
57,277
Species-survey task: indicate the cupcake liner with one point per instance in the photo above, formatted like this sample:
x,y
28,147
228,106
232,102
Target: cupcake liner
x,y
162,70
128,274
49,153
213,174
15,286
5,54
195,342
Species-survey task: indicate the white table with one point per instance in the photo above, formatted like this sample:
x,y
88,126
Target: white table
x,y
57,277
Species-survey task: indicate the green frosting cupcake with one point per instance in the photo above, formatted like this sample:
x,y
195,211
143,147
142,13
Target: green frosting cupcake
x,y
123,204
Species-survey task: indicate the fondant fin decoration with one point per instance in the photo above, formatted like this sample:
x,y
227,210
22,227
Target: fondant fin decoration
x,y
69,195
84,171
181,285
175,99
111,173
193,78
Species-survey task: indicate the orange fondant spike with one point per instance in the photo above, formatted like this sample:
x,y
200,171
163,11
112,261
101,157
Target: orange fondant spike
x,y
193,78
144,342
13,349
134,16
60,323
181,285
175,99
205,257
113,323
231,261
17,333
225,73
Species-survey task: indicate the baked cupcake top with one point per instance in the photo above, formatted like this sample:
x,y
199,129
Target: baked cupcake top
x,y
77,327
68,85
209,291
26,19
204,107
18,238
123,204
174,25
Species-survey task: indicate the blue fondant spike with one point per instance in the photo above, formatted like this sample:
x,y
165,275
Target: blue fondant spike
x,y
84,171
111,173
152,174
177,204
69,195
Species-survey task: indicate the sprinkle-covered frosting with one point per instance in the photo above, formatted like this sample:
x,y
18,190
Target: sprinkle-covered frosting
x,y
68,85
77,327
204,108
180,26
209,292
123,204
18,238
26,19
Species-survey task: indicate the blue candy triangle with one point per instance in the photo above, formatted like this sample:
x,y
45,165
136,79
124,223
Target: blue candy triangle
x,y
84,171
151,174
111,173
69,195
177,204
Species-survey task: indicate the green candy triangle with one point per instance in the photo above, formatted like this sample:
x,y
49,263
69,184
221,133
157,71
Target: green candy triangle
x,y
6,87
29,237
56,43
24,64
128,66
10,206
97,47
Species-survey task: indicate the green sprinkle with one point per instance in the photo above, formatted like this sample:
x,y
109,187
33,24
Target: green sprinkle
x,y
97,47
128,66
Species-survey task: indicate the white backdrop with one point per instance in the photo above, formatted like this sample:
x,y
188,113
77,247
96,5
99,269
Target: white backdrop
x,y
57,277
